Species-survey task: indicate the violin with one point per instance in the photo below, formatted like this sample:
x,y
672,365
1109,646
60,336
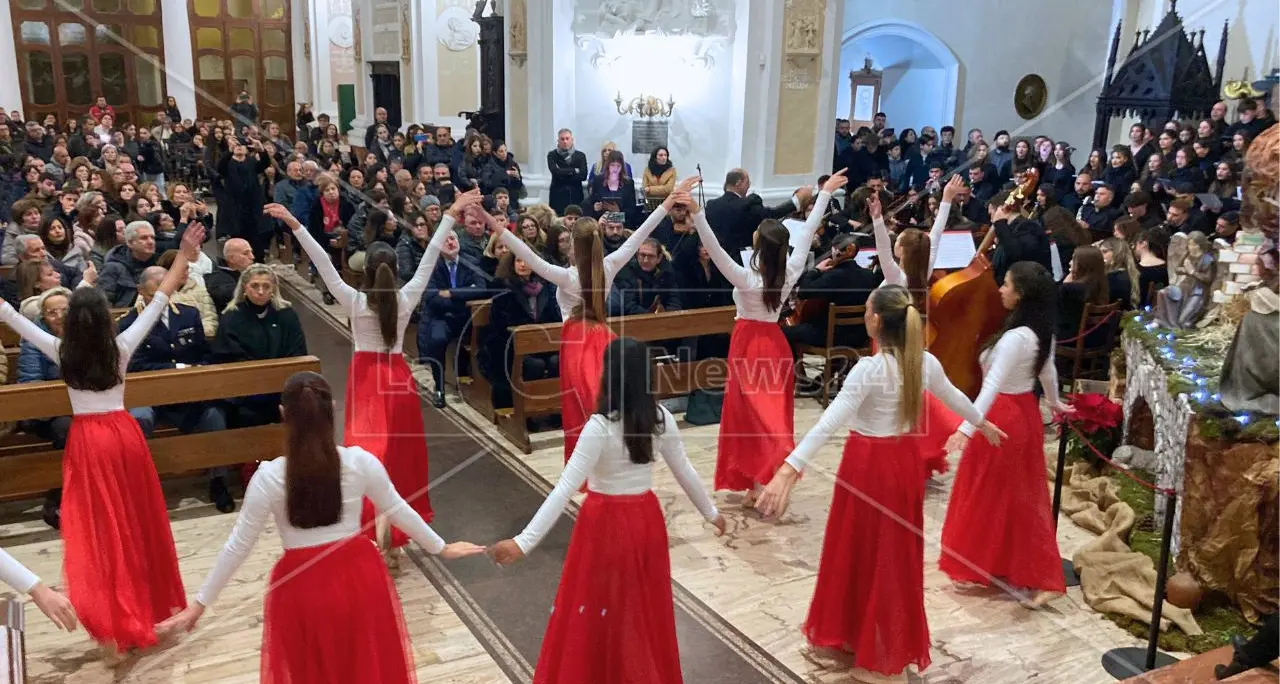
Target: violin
x,y
814,309
966,304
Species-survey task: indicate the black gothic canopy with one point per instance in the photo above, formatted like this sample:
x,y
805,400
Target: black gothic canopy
x,y
1166,76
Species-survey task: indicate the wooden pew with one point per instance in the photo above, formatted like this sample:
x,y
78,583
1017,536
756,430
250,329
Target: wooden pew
x,y
29,469
475,388
542,397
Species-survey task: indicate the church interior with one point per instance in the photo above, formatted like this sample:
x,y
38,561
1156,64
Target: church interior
x,y
1126,150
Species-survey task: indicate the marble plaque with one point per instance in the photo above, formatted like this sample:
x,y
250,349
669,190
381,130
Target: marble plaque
x,y
647,135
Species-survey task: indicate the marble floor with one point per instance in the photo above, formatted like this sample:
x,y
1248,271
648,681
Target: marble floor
x,y
755,582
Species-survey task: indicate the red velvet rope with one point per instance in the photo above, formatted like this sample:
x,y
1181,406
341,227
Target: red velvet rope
x,y
1123,471
1090,331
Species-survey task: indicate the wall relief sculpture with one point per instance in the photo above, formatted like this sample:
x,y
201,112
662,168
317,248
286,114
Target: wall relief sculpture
x,y
456,29
613,18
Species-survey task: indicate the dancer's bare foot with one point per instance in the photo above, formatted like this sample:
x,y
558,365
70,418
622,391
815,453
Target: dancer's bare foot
x,y
1041,599
869,677
392,557
831,658
749,499
111,656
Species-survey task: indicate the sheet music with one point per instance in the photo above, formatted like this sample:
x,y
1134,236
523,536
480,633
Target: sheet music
x,y
955,249
864,256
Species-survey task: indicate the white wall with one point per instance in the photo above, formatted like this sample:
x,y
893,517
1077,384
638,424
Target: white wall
x,y
656,66
10,85
912,96
997,42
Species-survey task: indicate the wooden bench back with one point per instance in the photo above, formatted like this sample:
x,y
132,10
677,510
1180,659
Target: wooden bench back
x,y
24,471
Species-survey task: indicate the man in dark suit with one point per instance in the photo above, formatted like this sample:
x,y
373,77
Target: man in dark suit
x,y
177,341
444,309
735,215
568,168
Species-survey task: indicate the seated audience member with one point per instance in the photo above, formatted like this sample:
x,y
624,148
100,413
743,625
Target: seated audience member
x,y
531,232
444,311
258,324
559,249
613,231
125,263
1143,208
177,341
473,238
1085,284
1226,227
237,256
646,285
60,245
493,253
1081,192
31,248
108,234
26,221
841,281
523,298
502,206
412,247
1121,271
1100,216
35,277
34,366
194,294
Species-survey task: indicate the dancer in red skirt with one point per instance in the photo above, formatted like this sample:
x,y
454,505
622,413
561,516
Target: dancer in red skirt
x,y
999,522
757,429
868,606
584,334
383,410
332,615
119,561
613,619
910,263
54,605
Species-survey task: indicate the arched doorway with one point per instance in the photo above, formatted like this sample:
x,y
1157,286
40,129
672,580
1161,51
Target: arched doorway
x,y
921,76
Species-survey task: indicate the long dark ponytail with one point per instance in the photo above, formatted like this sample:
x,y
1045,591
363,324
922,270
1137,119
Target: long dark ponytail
x,y
1037,307
313,470
626,394
381,291
770,260
88,356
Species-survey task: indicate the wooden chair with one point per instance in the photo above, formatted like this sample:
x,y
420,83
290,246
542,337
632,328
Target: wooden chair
x,y
474,387
1091,362
29,467
837,316
339,250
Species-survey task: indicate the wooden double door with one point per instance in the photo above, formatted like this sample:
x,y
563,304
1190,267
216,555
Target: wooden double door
x,y
243,46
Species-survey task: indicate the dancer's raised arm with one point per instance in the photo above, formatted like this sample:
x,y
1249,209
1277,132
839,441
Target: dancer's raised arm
x,y
884,245
800,255
130,339
671,446
412,290
949,193
556,275
620,257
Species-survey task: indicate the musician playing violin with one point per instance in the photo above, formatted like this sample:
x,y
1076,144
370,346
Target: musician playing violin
x,y
836,279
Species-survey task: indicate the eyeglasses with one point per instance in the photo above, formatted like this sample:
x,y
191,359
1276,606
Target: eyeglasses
x,y
60,312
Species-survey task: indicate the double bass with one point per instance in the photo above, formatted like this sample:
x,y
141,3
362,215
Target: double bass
x,y
965,308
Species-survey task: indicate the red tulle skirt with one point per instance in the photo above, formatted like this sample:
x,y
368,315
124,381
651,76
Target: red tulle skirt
x,y
757,424
332,616
869,600
119,560
999,521
384,417
613,621
582,345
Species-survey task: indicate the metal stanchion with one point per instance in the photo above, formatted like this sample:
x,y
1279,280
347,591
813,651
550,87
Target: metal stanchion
x,y
1068,568
1123,663
13,649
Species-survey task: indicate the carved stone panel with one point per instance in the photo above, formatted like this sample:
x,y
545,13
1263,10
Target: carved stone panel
x,y
612,18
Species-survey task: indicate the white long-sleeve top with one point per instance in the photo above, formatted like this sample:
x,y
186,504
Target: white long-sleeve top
x,y
16,574
568,289
362,476
365,330
1009,368
601,459
868,404
748,284
84,401
893,273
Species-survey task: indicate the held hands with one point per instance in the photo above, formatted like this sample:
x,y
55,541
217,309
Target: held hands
x,y
505,552
55,606
460,549
836,181
777,494
952,188
956,442
463,202
182,621
992,433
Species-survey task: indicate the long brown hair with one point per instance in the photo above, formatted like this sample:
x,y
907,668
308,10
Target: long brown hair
x,y
902,337
915,258
380,288
88,357
588,251
770,260
313,470
27,275
1090,270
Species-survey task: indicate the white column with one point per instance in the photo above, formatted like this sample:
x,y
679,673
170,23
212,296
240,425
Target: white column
x,y
833,28
421,83
362,12
10,84
551,87
179,60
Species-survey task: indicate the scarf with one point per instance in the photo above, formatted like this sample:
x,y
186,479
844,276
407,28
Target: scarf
x,y
658,169
332,217
566,154
530,289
